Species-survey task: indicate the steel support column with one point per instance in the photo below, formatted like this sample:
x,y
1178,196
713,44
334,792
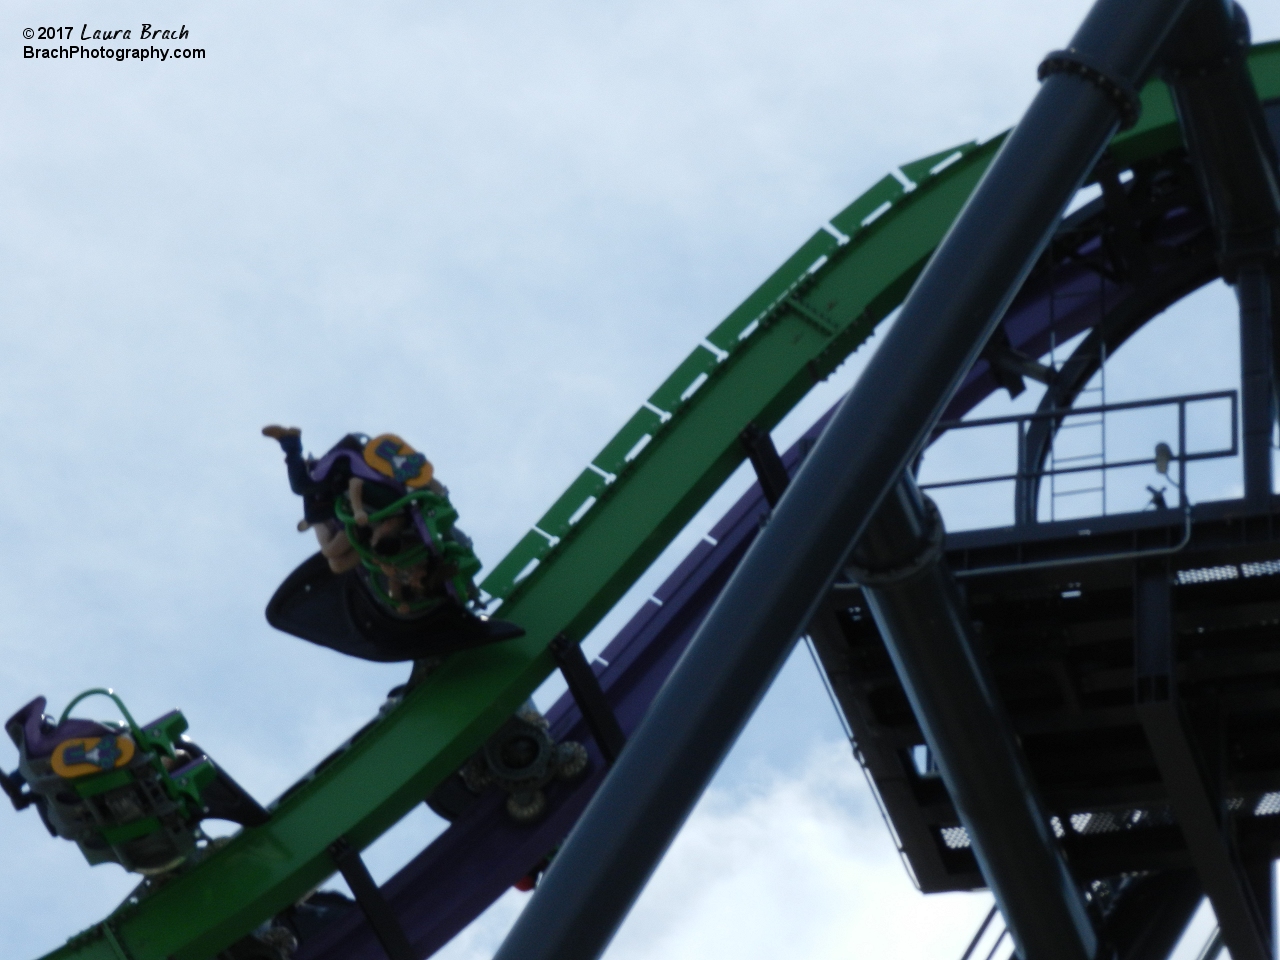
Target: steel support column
x,y
1235,162
1198,809
921,615
880,426
1257,380
1223,124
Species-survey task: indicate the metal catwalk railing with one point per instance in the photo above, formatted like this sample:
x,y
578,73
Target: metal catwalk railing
x,y
1164,455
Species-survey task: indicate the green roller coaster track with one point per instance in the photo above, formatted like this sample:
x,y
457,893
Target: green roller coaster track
x,y
597,538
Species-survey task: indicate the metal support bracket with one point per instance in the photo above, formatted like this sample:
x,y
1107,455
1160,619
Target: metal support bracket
x,y
385,924
1198,811
589,696
930,551
770,470
1009,366
824,324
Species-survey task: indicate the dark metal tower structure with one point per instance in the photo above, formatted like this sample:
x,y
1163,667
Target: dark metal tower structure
x,y
1081,715
1101,713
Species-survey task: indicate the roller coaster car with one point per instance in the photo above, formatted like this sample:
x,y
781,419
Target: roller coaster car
x,y
127,794
521,759
393,580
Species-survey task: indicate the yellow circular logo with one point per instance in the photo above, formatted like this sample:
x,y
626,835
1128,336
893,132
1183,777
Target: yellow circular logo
x,y
82,756
394,458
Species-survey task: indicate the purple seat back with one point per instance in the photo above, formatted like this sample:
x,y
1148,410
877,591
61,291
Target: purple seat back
x,y
41,742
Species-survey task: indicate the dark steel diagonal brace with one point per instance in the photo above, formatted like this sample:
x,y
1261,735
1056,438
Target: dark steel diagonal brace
x,y
383,920
875,433
585,687
768,465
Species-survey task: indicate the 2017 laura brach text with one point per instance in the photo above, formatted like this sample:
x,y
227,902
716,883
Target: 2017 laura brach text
x,y
146,32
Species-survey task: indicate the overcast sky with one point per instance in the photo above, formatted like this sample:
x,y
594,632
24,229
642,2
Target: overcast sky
x,y
494,229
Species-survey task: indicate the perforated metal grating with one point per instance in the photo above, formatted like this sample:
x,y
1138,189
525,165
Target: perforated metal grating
x,y
1228,571
1107,821
1091,823
1268,805
1264,568
1209,574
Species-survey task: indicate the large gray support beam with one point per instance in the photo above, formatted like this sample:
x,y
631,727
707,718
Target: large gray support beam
x,y
1198,809
922,617
883,422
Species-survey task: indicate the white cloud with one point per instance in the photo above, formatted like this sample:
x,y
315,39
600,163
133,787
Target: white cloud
x,y
787,865
800,866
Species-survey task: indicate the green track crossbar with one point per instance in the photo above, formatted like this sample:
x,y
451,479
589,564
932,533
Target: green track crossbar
x,y
593,543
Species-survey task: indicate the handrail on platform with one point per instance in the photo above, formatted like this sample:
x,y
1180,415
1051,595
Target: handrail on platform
x,y
1181,456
